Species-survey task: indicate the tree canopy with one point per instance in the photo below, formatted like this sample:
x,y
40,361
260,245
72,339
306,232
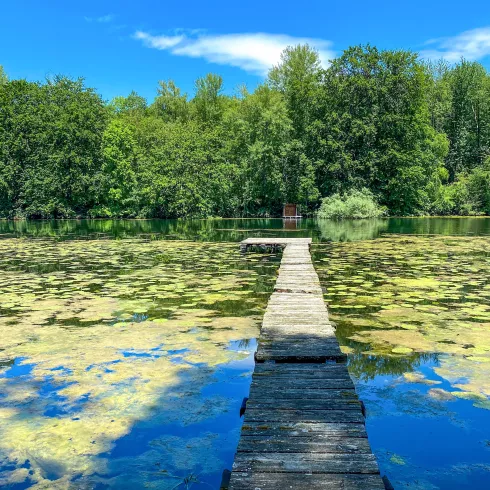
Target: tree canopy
x,y
414,135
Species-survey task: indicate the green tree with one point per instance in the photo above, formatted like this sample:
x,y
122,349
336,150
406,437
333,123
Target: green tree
x,y
468,122
372,128
3,76
439,97
133,105
50,147
20,122
182,172
261,129
118,177
170,104
297,77
208,103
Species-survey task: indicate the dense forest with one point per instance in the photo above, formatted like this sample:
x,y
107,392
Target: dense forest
x,y
414,135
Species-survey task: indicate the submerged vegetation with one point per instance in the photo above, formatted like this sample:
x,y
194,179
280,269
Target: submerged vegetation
x,y
124,362
417,136
112,356
413,315
404,298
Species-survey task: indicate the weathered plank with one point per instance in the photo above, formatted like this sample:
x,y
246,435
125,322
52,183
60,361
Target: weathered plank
x,y
303,425
300,369
299,340
325,416
266,403
274,393
311,443
313,380
298,383
300,429
264,462
299,355
289,481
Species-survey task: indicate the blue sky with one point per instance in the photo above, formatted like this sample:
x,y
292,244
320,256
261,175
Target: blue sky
x,y
119,46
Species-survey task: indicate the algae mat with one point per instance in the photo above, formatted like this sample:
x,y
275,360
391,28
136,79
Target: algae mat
x,y
413,315
123,363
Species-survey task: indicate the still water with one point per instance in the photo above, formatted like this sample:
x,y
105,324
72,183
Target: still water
x,y
126,347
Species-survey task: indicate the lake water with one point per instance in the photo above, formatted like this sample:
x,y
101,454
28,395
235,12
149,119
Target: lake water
x,y
126,347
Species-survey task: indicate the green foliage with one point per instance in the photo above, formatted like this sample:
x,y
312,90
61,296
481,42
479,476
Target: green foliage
x,y
170,104
3,76
50,142
373,128
208,103
182,171
414,135
118,174
467,124
355,204
297,77
468,195
259,130
133,105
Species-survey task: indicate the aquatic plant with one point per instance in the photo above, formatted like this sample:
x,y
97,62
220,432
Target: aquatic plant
x,y
100,337
399,299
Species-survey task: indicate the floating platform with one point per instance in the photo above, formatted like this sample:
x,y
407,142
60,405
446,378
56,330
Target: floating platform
x,y
304,424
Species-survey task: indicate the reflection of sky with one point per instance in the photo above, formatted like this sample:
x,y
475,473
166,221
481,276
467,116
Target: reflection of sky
x,y
145,456
219,433
114,398
421,442
412,314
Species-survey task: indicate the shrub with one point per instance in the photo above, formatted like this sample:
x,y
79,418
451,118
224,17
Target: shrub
x,y
355,204
468,195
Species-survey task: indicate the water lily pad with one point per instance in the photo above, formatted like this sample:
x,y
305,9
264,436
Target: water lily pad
x,y
402,350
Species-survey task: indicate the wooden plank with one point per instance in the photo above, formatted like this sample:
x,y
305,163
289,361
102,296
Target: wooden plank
x,y
285,355
279,241
289,481
276,393
302,340
305,463
293,357
324,416
319,326
303,369
310,443
303,384
308,343
303,316
278,376
266,403
300,429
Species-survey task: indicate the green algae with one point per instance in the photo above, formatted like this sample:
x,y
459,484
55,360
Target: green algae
x,y
440,394
397,459
125,332
412,297
414,377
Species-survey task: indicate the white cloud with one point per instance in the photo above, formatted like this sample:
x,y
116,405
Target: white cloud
x,y
158,42
253,52
104,19
471,45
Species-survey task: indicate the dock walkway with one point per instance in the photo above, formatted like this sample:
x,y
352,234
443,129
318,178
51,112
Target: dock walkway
x,y
304,424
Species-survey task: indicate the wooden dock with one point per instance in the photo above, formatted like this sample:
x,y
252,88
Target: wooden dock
x,y
304,424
